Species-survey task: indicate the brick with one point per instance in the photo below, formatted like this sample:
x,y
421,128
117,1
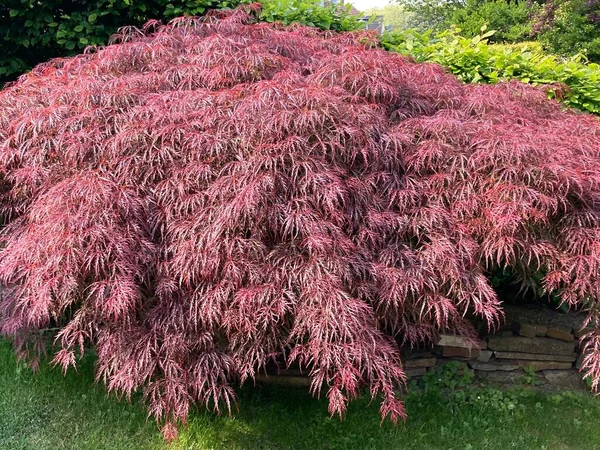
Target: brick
x,y
578,333
492,367
284,380
503,333
508,365
543,365
568,378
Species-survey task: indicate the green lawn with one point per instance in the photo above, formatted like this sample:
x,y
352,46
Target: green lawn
x,y
49,411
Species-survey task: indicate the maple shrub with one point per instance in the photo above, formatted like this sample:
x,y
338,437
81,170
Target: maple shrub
x,y
201,198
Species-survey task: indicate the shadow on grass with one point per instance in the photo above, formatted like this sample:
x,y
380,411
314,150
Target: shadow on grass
x,y
49,411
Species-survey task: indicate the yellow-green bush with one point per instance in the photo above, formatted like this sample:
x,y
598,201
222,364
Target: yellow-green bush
x,y
477,61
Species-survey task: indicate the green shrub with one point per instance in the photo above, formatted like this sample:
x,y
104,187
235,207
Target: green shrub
x,y
309,12
477,61
35,31
489,400
512,21
565,27
451,375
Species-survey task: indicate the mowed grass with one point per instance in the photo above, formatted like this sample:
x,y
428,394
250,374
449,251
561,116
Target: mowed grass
x,y
49,411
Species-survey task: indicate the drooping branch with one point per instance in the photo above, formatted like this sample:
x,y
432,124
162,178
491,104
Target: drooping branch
x,y
200,198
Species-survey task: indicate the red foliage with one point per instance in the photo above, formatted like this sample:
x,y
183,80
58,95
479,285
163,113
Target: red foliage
x,y
201,199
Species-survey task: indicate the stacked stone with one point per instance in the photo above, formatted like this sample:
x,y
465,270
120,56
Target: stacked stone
x,y
552,350
545,341
549,349
537,347
456,347
417,363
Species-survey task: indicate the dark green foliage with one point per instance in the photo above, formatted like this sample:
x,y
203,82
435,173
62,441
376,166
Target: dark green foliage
x,y
34,31
511,20
452,375
568,26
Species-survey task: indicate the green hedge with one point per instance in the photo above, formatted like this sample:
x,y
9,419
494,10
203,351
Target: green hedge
x,y
34,31
311,13
477,61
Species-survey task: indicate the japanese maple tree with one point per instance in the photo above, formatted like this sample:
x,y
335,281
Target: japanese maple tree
x,y
201,198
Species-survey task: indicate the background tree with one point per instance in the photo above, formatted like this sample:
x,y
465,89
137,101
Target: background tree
x,y
567,26
511,20
394,14
431,14
563,27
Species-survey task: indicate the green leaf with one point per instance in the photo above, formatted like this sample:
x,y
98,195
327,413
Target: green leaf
x,y
83,41
92,17
13,12
78,28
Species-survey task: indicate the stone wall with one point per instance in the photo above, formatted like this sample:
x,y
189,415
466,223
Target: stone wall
x,y
538,340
